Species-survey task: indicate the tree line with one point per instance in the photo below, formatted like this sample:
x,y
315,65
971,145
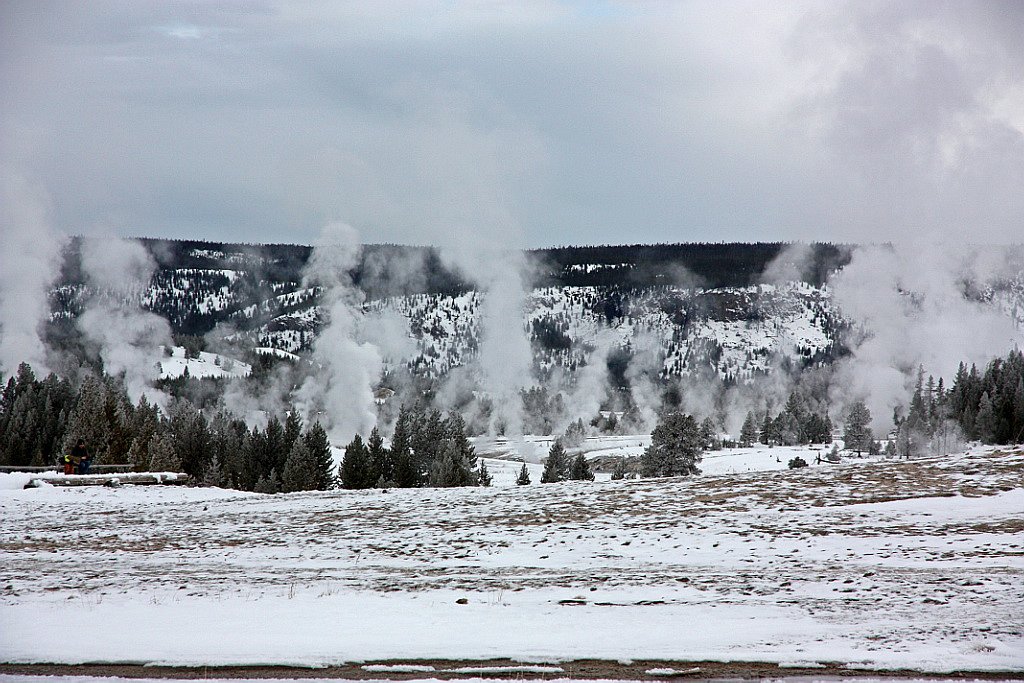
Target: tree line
x,y
427,449
41,419
985,406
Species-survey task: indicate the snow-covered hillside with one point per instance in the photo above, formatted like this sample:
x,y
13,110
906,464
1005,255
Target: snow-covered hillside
x,y
732,333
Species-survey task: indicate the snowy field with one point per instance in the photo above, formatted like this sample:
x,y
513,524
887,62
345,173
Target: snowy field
x,y
206,365
534,449
873,565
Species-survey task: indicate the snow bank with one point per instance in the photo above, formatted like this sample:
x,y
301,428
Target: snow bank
x,y
10,481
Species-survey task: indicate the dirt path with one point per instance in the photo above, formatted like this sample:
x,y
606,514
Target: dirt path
x,y
506,669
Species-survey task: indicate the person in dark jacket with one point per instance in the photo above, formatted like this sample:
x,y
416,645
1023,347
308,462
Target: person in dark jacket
x,y
80,456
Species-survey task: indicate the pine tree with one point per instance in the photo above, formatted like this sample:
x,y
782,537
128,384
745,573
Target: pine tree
x,y
320,451
427,432
768,437
269,484
406,474
191,438
354,469
748,433
213,476
163,457
556,467
857,435
985,423
675,448
255,460
138,454
300,470
524,476
574,433
708,435
484,477
275,453
1017,420
619,472
88,420
455,429
450,467
579,469
292,429
382,470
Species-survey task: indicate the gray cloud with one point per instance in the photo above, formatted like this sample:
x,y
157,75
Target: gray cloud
x,y
553,122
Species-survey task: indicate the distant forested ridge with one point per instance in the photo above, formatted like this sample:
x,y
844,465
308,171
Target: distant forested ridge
x,y
199,284
706,264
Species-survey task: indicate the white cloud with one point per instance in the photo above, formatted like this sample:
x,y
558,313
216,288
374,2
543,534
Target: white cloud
x,y
574,122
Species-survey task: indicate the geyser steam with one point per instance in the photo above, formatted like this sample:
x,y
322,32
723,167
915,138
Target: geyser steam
x,y
118,272
29,263
339,390
918,306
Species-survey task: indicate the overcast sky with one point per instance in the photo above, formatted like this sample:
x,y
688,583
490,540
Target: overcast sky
x,y
536,123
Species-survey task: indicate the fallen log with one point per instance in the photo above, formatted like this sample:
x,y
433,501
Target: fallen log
x,y
113,481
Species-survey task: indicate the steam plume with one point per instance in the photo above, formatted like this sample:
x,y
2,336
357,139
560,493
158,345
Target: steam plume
x,y
118,272
339,391
914,306
29,263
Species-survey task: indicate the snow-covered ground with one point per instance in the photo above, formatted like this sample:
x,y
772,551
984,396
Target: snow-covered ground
x,y
206,365
534,449
873,564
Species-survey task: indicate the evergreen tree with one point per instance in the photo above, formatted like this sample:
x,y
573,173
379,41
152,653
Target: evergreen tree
x,y
138,454
88,420
406,474
354,470
708,434
269,484
163,457
256,463
300,469
579,469
455,431
748,433
427,432
320,451
675,448
857,435
619,471
450,467
985,423
524,476
191,438
213,476
1017,430
768,437
145,423
225,444
292,430
382,470
574,434
484,477
276,452
556,467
